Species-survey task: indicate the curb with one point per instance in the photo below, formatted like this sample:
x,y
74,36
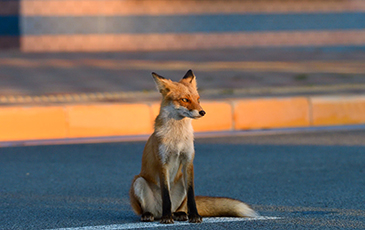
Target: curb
x,y
118,119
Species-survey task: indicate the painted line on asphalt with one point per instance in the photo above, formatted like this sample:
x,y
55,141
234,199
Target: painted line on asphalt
x,y
213,134
157,224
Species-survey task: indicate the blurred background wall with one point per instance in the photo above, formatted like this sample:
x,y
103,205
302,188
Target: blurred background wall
x,y
135,25
10,24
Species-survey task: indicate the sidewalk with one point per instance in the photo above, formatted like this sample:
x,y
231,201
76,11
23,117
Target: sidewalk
x,y
70,94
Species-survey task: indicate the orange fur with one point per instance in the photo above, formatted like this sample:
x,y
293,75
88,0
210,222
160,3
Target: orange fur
x,y
165,184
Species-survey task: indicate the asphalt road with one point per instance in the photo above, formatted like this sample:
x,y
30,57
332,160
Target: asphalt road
x,y
310,180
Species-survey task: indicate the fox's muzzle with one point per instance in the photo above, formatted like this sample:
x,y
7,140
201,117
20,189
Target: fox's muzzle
x,y
202,112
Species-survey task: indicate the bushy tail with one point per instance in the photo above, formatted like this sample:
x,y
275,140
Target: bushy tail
x,y
219,206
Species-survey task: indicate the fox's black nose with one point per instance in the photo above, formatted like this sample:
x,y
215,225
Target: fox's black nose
x,y
202,112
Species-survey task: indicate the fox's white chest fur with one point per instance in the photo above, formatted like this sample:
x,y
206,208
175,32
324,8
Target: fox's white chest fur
x,y
176,133
176,139
177,142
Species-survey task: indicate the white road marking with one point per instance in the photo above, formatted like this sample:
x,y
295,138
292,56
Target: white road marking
x,y
157,224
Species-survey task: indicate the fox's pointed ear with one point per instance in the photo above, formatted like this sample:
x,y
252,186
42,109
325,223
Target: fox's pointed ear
x,y
162,84
189,78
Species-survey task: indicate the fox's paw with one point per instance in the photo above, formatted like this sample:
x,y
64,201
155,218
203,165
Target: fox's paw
x,y
167,219
195,218
147,217
180,216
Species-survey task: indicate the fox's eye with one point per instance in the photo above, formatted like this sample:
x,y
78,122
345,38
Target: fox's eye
x,y
185,100
198,100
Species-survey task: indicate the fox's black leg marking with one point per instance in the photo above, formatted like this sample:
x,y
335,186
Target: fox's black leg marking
x,y
194,217
166,204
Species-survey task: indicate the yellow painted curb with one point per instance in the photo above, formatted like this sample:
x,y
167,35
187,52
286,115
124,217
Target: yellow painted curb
x,y
108,120
79,121
218,117
338,110
32,123
271,113
155,109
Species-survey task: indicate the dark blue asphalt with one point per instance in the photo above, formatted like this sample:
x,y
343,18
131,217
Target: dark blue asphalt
x,y
309,183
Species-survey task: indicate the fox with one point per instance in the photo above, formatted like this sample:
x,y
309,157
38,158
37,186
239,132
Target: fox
x,y
164,189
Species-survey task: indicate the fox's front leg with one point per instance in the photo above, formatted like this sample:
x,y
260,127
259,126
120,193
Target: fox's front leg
x,y
166,200
194,217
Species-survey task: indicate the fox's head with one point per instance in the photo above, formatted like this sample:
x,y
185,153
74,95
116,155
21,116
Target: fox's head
x,y
180,99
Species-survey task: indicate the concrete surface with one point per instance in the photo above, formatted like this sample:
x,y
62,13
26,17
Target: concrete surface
x,y
221,73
